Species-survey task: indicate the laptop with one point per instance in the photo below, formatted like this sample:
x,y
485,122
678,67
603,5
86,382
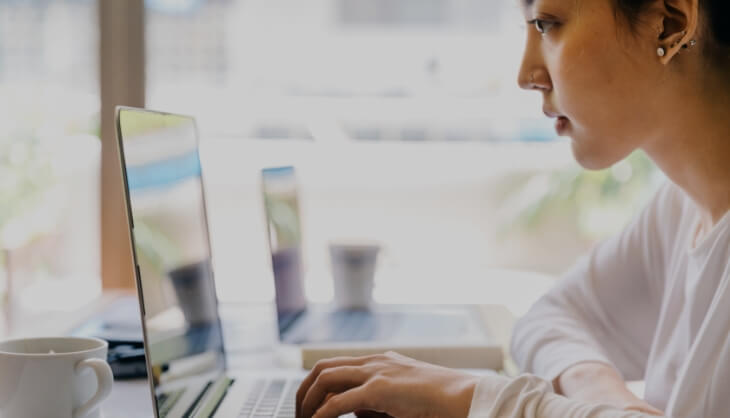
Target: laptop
x,y
185,352
303,323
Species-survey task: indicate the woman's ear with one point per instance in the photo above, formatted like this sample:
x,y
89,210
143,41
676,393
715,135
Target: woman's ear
x,y
679,26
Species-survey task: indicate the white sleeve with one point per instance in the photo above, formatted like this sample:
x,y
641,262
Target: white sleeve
x,y
605,308
531,397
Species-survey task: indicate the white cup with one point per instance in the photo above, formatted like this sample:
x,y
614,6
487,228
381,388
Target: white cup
x,y
64,377
353,272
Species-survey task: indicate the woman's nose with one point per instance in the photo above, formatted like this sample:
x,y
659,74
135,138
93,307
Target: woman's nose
x,y
533,74
534,78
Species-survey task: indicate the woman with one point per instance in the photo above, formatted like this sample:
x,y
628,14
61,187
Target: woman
x,y
652,303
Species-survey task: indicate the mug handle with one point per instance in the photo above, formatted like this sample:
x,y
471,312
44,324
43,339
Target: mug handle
x,y
104,379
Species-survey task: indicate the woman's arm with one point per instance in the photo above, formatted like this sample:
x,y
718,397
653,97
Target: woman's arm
x,y
531,397
395,386
605,310
591,382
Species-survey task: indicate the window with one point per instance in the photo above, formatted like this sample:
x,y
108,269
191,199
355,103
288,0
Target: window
x,y
49,152
402,117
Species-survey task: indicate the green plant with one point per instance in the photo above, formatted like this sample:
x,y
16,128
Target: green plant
x,y
599,202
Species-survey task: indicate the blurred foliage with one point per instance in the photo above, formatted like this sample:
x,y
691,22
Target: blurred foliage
x,y
29,130
25,173
599,202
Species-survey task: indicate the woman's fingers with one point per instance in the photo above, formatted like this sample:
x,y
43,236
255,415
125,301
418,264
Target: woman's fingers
x,y
318,368
355,399
383,386
330,381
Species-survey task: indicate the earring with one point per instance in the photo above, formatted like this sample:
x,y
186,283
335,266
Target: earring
x,y
660,51
692,43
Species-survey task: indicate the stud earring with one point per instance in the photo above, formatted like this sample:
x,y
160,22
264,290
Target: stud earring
x,y
692,43
660,51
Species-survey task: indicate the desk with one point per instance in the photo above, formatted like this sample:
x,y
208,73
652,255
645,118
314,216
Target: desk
x,y
131,398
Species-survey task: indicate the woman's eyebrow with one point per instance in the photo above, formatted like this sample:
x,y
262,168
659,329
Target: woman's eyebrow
x,y
526,4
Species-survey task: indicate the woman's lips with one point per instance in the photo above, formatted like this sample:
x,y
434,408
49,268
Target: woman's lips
x,y
561,123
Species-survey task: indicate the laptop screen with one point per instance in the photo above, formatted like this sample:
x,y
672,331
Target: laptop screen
x,y
183,337
281,205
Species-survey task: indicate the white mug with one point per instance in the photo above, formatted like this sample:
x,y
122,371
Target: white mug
x,y
64,377
353,270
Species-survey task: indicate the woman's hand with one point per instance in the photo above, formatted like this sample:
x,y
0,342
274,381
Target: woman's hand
x,y
600,383
389,384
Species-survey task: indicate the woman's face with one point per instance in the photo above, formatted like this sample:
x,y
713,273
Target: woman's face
x,y
597,78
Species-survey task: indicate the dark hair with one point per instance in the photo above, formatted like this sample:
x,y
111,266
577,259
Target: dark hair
x,y
714,12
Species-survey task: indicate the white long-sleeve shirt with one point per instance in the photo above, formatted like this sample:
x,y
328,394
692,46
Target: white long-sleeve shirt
x,y
653,302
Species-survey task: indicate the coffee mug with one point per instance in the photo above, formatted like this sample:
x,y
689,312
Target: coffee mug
x,y
64,377
353,270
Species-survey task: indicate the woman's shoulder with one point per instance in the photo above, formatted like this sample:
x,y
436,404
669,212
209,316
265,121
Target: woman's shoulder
x,y
672,195
671,204
670,218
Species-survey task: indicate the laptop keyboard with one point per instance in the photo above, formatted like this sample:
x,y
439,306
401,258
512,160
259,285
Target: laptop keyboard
x,y
268,399
166,401
271,399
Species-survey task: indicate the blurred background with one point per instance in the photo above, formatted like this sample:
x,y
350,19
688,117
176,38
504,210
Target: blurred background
x,y
403,118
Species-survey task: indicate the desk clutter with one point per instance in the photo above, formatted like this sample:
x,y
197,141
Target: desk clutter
x,y
120,326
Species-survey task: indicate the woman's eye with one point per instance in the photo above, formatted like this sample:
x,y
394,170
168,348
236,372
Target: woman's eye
x,y
543,26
